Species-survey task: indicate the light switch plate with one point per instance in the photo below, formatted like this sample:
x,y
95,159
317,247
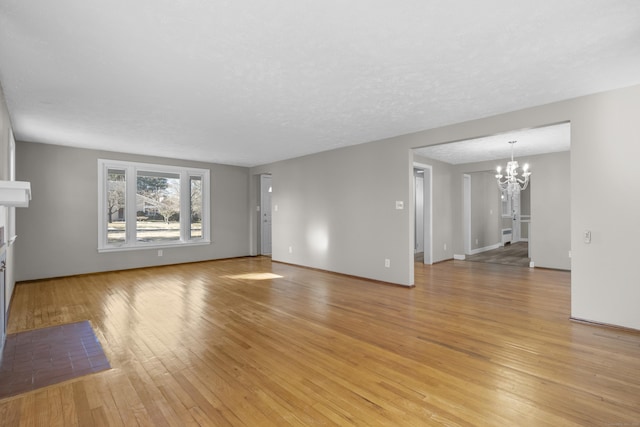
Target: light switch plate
x,y
399,204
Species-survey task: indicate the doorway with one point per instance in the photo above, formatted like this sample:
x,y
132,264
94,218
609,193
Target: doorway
x,y
500,239
266,189
466,214
418,176
423,200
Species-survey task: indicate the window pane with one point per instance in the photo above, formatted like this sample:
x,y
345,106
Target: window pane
x,y
196,208
157,207
116,189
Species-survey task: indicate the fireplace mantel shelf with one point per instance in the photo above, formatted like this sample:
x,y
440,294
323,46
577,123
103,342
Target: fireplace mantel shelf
x,y
15,193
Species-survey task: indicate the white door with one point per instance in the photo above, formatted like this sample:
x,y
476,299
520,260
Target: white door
x,y
515,216
265,214
419,227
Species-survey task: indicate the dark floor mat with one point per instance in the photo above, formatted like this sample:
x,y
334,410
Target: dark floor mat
x,y
47,356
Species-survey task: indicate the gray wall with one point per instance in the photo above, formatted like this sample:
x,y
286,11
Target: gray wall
x,y
550,198
58,233
605,199
336,210
485,210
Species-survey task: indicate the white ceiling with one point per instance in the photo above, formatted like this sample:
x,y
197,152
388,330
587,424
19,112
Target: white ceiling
x,y
529,142
251,82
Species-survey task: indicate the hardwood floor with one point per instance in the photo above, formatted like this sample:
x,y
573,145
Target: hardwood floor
x,y
255,343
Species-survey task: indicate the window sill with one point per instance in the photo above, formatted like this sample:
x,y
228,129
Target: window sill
x,y
153,246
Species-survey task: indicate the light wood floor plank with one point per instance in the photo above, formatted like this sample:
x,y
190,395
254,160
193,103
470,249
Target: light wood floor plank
x,y
248,342
69,412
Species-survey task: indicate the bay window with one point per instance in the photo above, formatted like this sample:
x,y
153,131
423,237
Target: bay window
x,y
143,205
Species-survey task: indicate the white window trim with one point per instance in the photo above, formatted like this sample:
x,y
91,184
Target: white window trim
x,y
131,170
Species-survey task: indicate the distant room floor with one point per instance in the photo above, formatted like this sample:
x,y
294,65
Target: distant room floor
x,y
510,254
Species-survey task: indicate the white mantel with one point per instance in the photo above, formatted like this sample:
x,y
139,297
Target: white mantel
x,y
15,193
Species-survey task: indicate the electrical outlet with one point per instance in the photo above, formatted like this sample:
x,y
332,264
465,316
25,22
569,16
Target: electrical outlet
x,y
387,262
159,252
587,236
445,246
290,249
476,241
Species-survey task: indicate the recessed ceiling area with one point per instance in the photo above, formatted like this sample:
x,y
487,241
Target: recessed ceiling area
x,y
530,142
253,82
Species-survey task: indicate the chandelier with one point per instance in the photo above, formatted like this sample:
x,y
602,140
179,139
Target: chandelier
x,y
512,182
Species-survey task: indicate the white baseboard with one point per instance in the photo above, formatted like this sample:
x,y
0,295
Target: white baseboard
x,y
485,249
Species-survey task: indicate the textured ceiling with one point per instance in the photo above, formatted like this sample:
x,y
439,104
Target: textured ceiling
x,y
529,142
251,82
